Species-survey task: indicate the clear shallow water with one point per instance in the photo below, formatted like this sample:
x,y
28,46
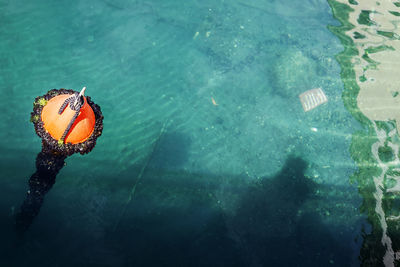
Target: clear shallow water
x,y
247,182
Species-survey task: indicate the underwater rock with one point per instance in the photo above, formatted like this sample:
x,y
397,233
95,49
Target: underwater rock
x,y
292,72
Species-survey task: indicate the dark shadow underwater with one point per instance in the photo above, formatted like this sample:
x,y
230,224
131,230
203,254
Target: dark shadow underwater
x,y
177,218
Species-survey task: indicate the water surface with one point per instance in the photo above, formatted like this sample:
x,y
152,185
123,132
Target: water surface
x,y
175,179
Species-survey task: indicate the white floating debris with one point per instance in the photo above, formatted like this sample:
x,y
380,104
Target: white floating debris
x,y
314,129
312,98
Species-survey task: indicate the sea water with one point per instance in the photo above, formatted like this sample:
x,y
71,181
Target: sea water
x,y
207,157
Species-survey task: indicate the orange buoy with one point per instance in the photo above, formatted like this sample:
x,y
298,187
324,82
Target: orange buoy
x,y
56,124
67,121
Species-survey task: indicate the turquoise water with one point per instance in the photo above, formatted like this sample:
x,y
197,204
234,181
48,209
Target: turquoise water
x,y
176,180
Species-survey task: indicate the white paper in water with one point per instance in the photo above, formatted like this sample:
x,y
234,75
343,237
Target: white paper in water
x,y
312,98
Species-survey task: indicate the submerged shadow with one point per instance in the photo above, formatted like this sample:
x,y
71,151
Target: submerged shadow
x,y
273,230
179,219
172,151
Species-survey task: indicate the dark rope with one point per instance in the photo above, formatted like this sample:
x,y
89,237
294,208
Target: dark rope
x,y
49,162
64,105
47,167
75,104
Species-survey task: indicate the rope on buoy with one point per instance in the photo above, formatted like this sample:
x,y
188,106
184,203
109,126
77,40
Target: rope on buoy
x,y
75,103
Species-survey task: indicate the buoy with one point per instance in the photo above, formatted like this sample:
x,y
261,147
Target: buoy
x,y
57,123
68,122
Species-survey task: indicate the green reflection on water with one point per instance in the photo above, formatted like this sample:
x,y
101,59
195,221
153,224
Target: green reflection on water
x,y
374,251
